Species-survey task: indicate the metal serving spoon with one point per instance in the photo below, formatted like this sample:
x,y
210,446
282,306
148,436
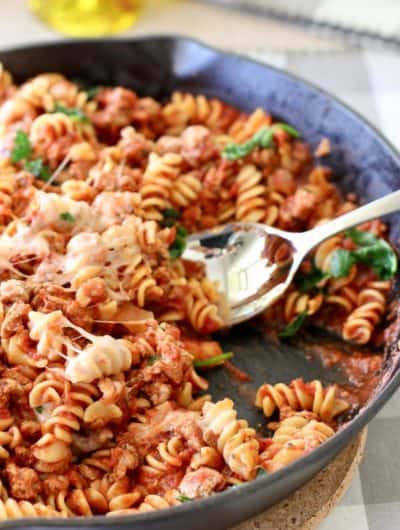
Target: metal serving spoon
x,y
254,263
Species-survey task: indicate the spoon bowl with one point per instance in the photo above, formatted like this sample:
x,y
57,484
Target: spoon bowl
x,y
254,264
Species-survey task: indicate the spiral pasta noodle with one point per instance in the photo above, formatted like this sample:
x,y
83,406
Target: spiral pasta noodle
x,y
202,312
12,509
157,184
300,396
5,82
297,303
371,305
251,202
45,90
7,188
62,421
186,190
236,441
324,252
294,437
246,126
185,109
48,128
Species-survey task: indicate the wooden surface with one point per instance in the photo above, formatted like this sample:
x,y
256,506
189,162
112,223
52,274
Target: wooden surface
x,y
307,507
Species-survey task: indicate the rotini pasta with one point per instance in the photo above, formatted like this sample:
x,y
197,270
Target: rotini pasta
x,y
12,509
371,305
300,396
294,437
103,324
236,441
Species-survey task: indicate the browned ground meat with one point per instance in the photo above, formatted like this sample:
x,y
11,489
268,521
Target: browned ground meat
x,y
24,482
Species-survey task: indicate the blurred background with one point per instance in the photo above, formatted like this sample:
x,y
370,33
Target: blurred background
x,y
349,47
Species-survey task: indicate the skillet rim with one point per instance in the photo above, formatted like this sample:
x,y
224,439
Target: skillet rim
x,y
342,437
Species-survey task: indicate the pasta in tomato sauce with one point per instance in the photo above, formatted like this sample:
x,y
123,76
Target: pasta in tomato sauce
x,y
104,326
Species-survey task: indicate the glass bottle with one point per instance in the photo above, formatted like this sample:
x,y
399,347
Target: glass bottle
x,y
87,18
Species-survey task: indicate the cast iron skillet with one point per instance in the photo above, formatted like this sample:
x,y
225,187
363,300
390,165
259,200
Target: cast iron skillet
x,y
362,161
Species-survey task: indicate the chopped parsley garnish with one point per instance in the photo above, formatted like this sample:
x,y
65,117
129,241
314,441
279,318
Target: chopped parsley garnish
x,y
39,409
308,281
74,113
184,498
212,361
178,246
293,327
22,149
153,359
263,138
260,472
39,169
373,251
66,216
92,92
170,216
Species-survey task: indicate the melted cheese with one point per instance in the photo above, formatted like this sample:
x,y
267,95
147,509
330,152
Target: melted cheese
x,y
104,355
82,250
113,207
47,210
25,242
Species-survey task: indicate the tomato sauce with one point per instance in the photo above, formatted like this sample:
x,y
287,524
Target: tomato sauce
x,y
362,369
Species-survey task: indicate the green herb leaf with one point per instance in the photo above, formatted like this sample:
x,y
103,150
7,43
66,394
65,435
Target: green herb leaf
x,y
183,498
66,216
39,169
181,231
22,147
74,113
307,282
293,327
361,237
341,262
260,472
288,129
176,250
153,359
373,251
380,257
178,246
92,92
211,361
171,213
170,216
263,138
39,409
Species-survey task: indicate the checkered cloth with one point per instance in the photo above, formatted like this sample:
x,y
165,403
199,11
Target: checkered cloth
x,y
359,20
369,82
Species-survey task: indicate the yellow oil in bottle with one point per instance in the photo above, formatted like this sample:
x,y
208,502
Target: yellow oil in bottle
x,y
87,18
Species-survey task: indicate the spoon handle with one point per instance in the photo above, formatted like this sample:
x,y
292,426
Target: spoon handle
x,y
388,204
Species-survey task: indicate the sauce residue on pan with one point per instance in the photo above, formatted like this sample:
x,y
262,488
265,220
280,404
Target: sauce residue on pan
x,y
361,368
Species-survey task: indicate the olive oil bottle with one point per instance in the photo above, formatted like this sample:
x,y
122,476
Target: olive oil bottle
x,y
87,18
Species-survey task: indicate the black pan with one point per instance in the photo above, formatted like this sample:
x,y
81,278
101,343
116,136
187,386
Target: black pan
x,y
362,161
